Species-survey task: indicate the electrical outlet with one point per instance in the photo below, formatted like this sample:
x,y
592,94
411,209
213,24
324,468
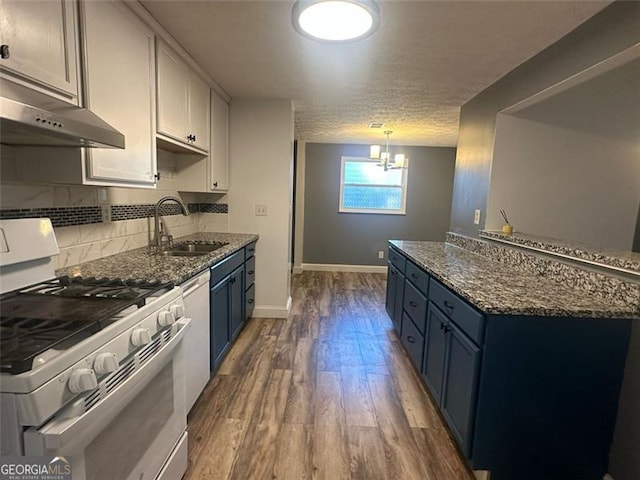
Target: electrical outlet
x,y
261,210
381,254
476,217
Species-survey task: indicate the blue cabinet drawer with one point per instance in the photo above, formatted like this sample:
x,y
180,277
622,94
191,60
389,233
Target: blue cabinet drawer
x,y
249,302
415,305
250,272
418,277
250,250
413,341
226,266
397,259
469,320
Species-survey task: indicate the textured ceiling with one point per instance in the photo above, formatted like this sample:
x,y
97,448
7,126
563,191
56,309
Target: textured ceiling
x,y
426,60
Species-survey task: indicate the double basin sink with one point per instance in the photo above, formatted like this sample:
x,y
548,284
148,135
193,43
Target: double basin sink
x,y
191,249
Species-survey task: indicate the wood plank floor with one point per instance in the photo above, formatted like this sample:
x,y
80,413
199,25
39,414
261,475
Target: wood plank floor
x,y
326,394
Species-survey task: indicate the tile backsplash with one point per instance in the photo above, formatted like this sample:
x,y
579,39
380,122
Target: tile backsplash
x,y
92,222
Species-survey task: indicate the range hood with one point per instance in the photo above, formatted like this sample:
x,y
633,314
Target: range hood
x,y
25,125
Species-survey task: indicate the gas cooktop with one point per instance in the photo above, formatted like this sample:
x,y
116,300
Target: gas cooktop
x,y
59,313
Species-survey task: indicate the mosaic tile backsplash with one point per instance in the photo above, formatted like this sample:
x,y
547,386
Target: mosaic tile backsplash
x,y
84,215
595,283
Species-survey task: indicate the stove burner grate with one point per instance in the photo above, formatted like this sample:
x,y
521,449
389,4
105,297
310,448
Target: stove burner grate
x,y
61,312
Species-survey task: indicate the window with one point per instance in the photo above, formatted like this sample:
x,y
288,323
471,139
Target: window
x,y
365,187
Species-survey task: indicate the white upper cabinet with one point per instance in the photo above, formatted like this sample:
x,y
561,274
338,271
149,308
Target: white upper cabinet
x,y
120,88
40,39
219,153
208,173
183,101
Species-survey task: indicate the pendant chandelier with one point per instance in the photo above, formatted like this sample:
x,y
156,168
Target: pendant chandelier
x,y
398,161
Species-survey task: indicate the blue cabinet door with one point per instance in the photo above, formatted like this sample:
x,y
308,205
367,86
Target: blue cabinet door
x,y
434,356
395,296
460,385
236,301
219,321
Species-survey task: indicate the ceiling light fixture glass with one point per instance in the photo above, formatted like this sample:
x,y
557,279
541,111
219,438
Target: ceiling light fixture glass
x,y
335,21
399,159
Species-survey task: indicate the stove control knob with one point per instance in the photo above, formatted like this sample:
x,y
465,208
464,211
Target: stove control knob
x,y
177,310
105,363
166,318
140,337
82,380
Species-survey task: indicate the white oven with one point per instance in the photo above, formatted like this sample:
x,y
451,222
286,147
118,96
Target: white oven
x,y
128,426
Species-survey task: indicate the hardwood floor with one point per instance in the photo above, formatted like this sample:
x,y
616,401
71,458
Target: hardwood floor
x,y
326,394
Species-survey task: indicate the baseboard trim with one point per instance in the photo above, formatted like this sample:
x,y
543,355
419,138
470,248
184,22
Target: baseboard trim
x,y
272,311
326,267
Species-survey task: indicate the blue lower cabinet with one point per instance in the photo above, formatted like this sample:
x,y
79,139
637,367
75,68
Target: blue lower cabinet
x,y
459,385
231,300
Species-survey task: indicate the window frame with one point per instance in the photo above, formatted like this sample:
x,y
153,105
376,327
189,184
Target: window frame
x,y
376,211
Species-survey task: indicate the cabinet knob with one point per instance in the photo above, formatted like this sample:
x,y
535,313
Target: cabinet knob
x,y
215,184
250,300
4,51
410,339
448,305
446,329
413,304
250,272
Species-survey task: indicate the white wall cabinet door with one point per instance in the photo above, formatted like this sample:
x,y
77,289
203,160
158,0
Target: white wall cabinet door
x,y
120,82
173,95
183,101
42,38
219,153
199,113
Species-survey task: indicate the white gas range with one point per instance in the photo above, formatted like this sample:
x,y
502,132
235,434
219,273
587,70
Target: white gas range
x,y
91,369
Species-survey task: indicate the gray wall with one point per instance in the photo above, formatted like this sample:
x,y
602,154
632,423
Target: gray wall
x,y
563,183
607,33
354,238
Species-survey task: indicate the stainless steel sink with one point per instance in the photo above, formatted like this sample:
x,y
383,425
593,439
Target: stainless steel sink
x,y
191,249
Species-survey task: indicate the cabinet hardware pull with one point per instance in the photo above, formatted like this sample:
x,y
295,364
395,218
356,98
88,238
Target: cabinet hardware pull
x,y
446,329
413,275
250,272
441,326
413,304
410,339
156,176
232,280
448,305
250,300
215,184
393,272
4,51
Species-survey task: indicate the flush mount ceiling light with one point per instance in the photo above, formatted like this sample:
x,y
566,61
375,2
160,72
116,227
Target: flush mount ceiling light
x,y
398,161
335,21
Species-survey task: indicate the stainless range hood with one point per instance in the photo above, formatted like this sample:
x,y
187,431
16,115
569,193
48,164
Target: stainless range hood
x,y
25,125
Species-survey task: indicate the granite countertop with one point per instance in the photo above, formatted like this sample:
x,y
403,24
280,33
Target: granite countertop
x,y
625,260
496,288
140,264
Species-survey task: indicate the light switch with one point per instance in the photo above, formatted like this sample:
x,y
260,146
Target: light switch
x,y
261,210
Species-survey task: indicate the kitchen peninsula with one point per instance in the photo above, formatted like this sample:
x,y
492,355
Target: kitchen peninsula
x,y
525,368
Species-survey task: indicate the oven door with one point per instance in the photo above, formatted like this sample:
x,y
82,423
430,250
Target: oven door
x,y
132,430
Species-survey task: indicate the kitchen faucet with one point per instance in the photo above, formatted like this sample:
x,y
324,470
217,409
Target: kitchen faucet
x,y
157,241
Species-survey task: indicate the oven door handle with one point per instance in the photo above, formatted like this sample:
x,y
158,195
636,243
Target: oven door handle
x,y
59,433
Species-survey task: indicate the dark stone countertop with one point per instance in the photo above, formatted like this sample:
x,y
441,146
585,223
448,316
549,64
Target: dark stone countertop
x,y
140,264
496,288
